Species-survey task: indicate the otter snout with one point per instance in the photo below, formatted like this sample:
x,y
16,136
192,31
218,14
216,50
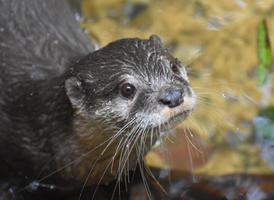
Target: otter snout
x,y
171,97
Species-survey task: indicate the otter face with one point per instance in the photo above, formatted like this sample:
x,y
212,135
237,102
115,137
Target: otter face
x,y
131,83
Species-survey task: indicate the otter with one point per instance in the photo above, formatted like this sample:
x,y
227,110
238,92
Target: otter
x,y
74,115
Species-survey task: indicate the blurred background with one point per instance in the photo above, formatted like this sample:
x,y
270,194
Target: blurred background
x,y
226,147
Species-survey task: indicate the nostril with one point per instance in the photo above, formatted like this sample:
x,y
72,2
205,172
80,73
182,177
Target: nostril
x,y
165,101
172,98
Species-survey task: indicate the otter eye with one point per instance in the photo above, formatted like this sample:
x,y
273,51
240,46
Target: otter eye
x,y
175,68
127,90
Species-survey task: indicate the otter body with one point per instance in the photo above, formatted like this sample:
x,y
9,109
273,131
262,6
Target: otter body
x,y
73,114
34,56
38,42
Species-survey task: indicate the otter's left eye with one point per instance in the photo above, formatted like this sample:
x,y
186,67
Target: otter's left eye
x,y
127,90
175,68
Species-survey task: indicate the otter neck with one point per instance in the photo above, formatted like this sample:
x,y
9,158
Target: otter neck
x,y
98,155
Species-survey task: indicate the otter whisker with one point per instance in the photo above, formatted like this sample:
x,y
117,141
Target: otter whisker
x,y
198,150
155,179
146,185
142,141
151,137
100,180
110,164
67,165
110,141
119,170
119,133
125,155
190,160
141,151
92,167
118,146
217,113
188,132
126,144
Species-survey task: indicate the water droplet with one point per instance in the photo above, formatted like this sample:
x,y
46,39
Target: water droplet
x,y
108,103
157,143
34,185
241,3
78,17
52,187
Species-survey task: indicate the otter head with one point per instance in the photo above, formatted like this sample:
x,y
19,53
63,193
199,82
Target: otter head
x,y
125,94
131,83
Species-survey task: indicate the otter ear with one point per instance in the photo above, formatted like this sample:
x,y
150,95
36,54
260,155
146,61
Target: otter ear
x,y
74,91
156,40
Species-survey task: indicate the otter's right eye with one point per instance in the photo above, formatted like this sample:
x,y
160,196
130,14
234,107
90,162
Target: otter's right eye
x,y
127,90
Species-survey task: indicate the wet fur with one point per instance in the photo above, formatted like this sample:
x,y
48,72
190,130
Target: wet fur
x,y
62,118
38,42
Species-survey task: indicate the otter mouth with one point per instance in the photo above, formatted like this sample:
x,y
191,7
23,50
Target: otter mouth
x,y
172,121
175,116
175,120
180,116
167,118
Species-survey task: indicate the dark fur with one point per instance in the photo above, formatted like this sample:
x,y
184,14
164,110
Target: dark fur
x,y
57,93
38,41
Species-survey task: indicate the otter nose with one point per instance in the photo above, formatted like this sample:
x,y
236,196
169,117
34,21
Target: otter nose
x,y
172,98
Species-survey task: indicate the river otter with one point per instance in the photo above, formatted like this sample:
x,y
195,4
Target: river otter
x,y
71,113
